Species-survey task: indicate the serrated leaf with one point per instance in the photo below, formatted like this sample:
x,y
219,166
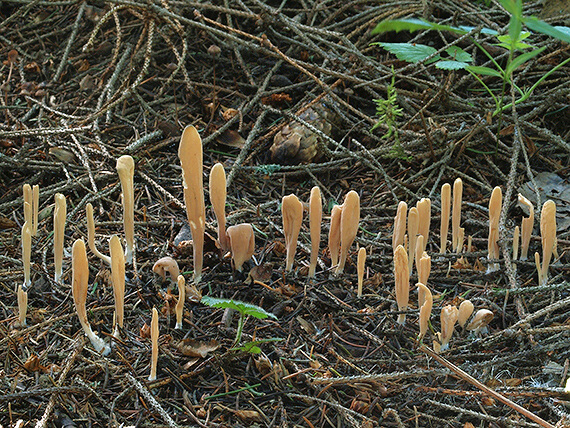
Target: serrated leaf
x,y
459,54
451,65
560,33
485,71
241,307
408,52
521,59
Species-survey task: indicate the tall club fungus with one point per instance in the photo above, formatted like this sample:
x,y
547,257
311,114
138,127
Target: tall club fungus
x,y
126,171
445,207
527,225
349,222
27,254
413,227
548,237
181,298
315,219
190,155
242,243
218,194
292,213
59,215
399,225
118,280
424,216
334,234
154,332
360,269
495,204
456,215
425,303
402,281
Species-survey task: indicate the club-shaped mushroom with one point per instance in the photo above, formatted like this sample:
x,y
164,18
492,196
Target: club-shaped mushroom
x,y
548,236
456,215
118,280
360,269
79,284
292,213
126,171
191,159
242,243
425,303
180,304
27,254
154,332
449,315
22,306
424,268
27,193
445,210
413,227
59,215
32,197
402,281
349,222
166,265
527,224
334,234
465,311
495,205
399,225
218,193
315,219
91,235
424,216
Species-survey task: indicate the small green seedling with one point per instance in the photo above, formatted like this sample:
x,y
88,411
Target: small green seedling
x,y
253,346
244,309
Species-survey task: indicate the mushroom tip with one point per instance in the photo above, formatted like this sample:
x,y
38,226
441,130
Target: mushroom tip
x,y
166,264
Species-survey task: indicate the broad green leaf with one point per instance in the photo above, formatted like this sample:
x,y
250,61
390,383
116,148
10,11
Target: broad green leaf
x,y
241,307
485,71
459,54
408,52
506,41
451,65
560,33
521,59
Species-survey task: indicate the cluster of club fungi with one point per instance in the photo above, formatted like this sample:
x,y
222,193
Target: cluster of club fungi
x,y
409,240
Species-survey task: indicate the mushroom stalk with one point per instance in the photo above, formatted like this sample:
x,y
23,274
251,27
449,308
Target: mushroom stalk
x,y
59,215
218,194
22,306
242,243
334,234
527,225
118,280
349,226
445,207
360,269
516,234
315,219
91,235
456,215
413,227
126,171
548,235
402,281
417,252
27,254
191,159
495,204
79,284
292,213
425,302
154,340
399,225
180,304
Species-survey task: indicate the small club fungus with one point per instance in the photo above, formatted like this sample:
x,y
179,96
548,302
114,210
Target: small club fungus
x,y
548,236
445,207
425,303
118,280
22,306
399,225
79,284
334,234
315,219
242,243
218,194
495,204
449,315
191,160
481,319
292,213
91,235
465,311
527,224
360,269
154,341
166,265
59,215
126,170
402,281
32,197
349,222
456,215
424,268
27,254
180,304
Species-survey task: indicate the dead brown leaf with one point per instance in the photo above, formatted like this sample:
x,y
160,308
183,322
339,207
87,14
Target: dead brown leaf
x,y
197,348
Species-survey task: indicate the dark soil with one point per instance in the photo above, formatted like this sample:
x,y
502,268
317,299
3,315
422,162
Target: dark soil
x,y
84,83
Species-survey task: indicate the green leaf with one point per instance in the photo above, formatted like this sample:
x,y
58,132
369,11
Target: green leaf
x,y
506,41
241,307
408,52
459,54
451,65
485,71
521,59
560,33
